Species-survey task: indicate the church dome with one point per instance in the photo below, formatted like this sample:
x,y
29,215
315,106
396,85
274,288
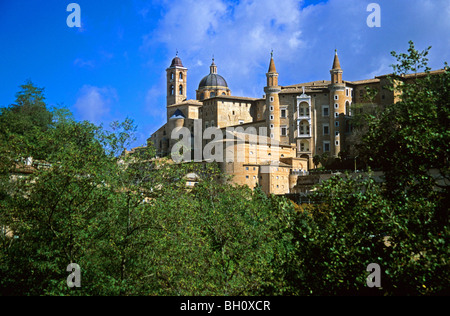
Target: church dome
x,y
176,62
212,80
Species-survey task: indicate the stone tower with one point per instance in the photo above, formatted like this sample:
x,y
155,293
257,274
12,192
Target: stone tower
x,y
176,82
273,102
337,106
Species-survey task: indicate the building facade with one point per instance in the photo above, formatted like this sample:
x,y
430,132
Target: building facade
x,y
267,141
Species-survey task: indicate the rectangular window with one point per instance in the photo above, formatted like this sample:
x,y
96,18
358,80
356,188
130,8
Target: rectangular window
x,y
325,110
283,113
283,130
326,146
326,129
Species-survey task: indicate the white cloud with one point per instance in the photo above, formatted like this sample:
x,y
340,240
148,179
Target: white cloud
x,y
82,63
94,103
241,34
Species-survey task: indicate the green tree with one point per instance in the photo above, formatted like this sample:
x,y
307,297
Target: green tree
x,y
400,223
410,141
131,223
23,120
352,225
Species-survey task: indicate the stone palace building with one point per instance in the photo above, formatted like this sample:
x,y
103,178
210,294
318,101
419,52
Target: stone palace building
x,y
290,124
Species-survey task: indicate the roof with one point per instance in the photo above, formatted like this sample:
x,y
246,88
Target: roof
x,y
365,81
272,66
176,62
212,80
231,97
336,63
413,75
177,115
311,84
310,87
187,102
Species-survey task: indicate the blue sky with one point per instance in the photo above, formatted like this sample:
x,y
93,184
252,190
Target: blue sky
x,y
114,65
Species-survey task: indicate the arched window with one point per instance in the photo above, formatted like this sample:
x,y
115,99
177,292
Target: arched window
x,y
304,109
212,95
171,76
172,91
304,128
181,76
304,146
181,89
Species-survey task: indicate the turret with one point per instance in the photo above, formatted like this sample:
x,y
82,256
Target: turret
x,y
272,102
337,106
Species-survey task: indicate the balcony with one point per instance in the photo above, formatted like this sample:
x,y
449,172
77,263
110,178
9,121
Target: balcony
x,y
304,118
303,135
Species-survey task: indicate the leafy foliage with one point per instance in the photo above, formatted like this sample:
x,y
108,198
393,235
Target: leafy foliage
x,y
411,137
25,119
352,225
131,223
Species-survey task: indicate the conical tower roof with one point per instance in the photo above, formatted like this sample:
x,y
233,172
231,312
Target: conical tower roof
x,y
272,64
336,63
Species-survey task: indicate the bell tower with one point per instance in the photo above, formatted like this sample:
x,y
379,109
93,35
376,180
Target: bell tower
x,y
176,82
